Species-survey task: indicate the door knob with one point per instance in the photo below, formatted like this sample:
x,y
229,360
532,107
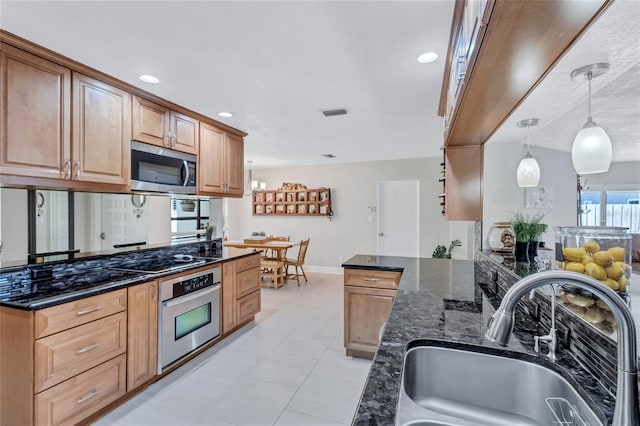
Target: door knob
x,y
381,234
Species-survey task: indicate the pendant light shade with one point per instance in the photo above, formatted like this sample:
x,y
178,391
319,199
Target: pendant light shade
x,y
528,173
591,151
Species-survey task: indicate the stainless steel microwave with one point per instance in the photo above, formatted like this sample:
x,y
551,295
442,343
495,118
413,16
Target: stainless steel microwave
x,y
158,169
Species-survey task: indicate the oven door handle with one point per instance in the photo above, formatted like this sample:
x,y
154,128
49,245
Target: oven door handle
x,y
189,297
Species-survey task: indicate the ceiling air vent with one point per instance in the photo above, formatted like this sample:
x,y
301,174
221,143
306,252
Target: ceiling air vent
x,y
328,156
332,112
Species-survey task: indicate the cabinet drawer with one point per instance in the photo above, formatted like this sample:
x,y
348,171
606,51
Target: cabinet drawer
x,y
247,282
248,263
248,306
369,278
70,402
72,314
66,354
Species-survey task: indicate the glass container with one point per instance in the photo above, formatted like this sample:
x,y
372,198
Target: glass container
x,y
501,237
603,253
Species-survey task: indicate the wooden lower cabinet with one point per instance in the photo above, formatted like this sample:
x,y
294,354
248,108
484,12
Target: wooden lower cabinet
x,y
73,400
142,334
63,355
240,291
366,309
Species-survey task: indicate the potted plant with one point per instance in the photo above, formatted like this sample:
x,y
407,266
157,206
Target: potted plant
x,y
528,230
441,252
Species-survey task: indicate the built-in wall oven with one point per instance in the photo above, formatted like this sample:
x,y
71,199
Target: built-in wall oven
x,y
189,314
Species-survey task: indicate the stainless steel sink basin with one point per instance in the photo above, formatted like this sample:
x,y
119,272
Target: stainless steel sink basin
x,y
443,386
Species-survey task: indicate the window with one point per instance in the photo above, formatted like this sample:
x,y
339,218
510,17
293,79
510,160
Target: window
x,y
611,208
189,218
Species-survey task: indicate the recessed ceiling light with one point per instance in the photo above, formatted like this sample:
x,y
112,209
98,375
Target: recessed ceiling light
x,y
149,79
225,114
427,57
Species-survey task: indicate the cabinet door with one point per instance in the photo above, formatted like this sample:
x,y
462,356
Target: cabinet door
x,y
234,165
101,138
365,312
228,296
210,160
247,307
35,116
142,334
185,134
150,122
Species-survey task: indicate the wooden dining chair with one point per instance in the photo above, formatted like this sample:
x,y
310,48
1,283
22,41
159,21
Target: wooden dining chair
x,y
297,263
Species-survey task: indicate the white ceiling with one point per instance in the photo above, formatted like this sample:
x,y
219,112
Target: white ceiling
x,y
561,104
276,64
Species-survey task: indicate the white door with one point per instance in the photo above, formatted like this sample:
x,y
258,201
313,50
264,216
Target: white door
x,y
398,218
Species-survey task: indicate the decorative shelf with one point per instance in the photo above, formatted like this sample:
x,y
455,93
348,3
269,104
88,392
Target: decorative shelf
x,y
292,202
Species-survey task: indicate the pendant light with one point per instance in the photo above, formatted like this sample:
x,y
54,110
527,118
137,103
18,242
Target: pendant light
x,y
252,184
528,173
591,151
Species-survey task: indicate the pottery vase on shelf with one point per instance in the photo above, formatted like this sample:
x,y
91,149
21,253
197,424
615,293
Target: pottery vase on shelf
x,y
501,237
522,251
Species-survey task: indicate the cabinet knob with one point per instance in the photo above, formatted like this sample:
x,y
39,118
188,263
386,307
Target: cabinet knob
x,y
381,234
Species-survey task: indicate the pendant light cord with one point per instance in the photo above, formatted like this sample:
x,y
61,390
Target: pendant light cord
x,y
589,77
528,137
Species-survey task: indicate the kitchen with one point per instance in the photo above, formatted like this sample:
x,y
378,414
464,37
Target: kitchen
x,y
351,213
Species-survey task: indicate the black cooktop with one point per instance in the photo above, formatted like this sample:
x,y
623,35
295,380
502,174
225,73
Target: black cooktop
x,y
47,289
160,265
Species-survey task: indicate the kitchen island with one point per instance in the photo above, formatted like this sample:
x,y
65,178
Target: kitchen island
x,y
441,299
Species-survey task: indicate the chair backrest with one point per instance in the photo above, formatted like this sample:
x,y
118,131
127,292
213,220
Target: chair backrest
x,y
288,238
303,251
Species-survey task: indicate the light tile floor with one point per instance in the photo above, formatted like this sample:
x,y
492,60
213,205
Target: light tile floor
x,y
286,368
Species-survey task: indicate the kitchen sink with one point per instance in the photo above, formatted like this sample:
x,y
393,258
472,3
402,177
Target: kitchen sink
x,y
467,385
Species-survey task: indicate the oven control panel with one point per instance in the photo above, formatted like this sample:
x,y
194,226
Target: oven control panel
x,y
190,283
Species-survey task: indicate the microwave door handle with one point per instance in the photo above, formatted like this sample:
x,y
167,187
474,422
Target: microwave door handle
x,y
185,173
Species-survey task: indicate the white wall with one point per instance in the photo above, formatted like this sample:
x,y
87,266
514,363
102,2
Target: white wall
x,y
622,176
502,196
158,209
14,225
353,189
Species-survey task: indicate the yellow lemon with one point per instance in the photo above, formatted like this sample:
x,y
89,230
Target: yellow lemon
x,y
575,267
603,258
614,272
574,254
586,259
612,284
596,271
591,246
617,253
623,283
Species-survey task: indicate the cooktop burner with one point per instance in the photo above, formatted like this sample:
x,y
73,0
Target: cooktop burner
x,y
157,266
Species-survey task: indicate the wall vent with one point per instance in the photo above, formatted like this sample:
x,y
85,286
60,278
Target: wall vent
x,y
332,112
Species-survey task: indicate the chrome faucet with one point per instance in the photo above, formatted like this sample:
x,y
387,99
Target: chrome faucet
x,y
550,339
501,324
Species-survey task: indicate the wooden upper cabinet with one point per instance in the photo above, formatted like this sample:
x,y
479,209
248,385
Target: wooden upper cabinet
x,y
184,133
210,170
150,122
463,185
220,163
35,108
234,164
158,125
101,132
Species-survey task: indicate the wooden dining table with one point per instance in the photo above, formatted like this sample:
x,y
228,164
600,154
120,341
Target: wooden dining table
x,y
278,247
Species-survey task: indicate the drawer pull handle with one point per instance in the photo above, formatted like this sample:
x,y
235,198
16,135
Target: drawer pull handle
x,y
88,311
87,397
373,280
88,348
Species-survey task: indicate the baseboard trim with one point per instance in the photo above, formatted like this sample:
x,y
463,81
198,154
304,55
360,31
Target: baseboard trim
x,y
323,269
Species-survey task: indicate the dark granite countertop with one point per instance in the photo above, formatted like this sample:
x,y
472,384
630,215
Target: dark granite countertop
x,y
439,299
46,293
